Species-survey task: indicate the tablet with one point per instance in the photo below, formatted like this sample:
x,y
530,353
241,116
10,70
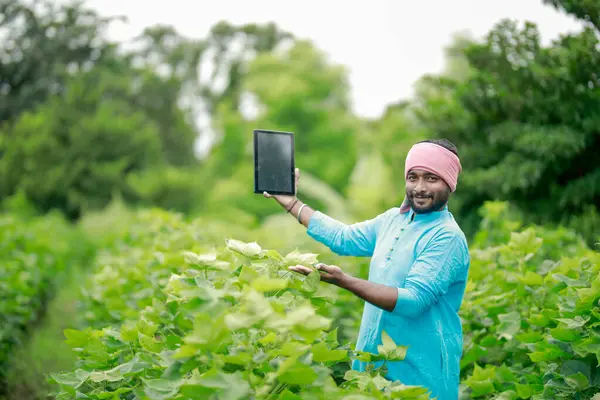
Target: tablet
x,y
274,162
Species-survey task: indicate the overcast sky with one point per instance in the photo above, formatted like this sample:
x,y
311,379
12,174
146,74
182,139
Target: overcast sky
x,y
385,44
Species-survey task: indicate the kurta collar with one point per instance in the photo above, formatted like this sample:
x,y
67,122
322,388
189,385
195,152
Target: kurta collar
x,y
429,216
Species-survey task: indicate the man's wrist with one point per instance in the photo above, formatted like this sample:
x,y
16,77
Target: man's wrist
x,y
346,282
290,204
285,202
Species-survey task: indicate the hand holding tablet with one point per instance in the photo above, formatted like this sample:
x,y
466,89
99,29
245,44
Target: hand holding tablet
x,y
275,174
274,169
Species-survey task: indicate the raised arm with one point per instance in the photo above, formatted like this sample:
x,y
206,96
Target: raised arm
x,y
357,239
353,240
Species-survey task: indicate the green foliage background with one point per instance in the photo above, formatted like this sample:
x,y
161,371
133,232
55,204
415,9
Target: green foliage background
x,y
102,190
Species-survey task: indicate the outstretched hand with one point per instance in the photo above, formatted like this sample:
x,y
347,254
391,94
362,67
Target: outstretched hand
x,y
329,273
382,296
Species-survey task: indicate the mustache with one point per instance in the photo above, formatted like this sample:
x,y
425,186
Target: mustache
x,y
420,195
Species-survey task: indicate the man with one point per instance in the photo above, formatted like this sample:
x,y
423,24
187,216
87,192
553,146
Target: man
x,y
418,270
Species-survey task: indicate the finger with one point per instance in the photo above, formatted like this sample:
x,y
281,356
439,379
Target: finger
x,y
324,267
306,270
300,269
267,195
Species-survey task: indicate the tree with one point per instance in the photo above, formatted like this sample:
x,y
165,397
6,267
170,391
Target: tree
x,y
42,45
54,55
159,98
584,10
76,150
202,73
525,121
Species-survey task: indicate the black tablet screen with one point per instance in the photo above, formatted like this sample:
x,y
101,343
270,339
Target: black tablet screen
x,y
274,162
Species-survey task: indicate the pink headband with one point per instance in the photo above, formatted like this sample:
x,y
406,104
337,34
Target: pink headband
x,y
435,159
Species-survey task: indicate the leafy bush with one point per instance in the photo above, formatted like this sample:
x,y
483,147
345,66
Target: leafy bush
x,y
231,322
531,313
172,314
34,254
180,189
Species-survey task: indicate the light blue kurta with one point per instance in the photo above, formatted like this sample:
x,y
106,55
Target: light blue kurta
x,y
426,257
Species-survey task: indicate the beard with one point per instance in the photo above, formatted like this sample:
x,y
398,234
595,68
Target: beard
x,y
424,203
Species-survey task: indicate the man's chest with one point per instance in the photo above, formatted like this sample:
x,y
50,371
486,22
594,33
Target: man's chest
x,y
396,249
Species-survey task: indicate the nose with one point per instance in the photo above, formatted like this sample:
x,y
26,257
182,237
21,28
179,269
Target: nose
x,y
420,186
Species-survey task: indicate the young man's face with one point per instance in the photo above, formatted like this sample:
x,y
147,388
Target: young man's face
x,y
426,192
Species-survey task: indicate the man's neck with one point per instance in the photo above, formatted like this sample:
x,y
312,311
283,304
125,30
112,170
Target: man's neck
x,y
427,215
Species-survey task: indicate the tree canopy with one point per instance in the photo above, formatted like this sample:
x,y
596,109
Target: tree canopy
x,y
525,119
83,118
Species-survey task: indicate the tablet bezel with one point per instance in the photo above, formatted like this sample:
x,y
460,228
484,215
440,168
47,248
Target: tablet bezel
x,y
293,166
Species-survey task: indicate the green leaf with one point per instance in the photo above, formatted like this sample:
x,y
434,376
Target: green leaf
x,y
297,258
148,343
148,328
251,250
481,387
532,279
569,282
296,373
72,379
390,350
264,284
529,337
129,332
161,389
588,346
270,338
509,326
119,372
185,351
524,391
215,382
407,392
574,323
505,374
577,381
272,254
565,334
241,358
312,281
474,354
507,395
571,367
287,395
76,338
548,353
321,353
248,274
588,296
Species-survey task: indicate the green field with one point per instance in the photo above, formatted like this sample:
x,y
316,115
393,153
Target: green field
x,y
171,308
134,266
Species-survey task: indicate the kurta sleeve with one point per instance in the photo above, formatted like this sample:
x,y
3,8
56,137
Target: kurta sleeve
x,y
432,273
357,239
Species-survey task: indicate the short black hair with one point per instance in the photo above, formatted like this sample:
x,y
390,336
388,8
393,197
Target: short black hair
x,y
444,143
